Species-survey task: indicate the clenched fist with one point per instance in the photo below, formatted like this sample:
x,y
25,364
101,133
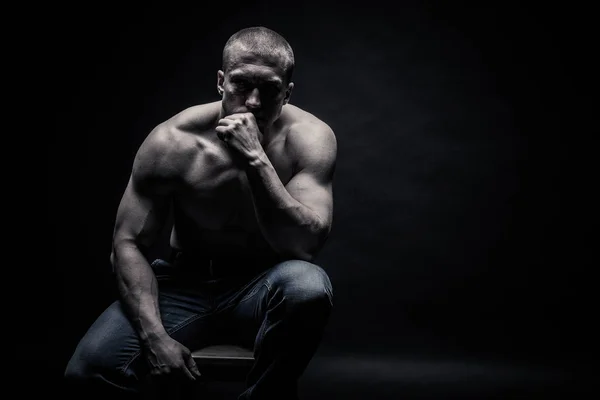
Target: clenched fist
x,y
240,132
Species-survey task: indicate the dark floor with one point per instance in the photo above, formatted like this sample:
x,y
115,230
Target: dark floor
x,y
354,377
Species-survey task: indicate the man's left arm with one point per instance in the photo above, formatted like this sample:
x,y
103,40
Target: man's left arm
x,y
296,218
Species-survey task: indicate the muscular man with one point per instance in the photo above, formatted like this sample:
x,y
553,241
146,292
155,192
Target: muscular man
x,y
249,182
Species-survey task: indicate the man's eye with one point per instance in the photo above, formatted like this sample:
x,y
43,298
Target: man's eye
x,y
270,89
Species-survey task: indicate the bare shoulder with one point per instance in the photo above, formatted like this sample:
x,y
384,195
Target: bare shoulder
x,y
195,118
310,139
166,153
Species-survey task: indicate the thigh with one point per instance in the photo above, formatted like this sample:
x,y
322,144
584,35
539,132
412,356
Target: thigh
x,y
111,343
294,282
240,312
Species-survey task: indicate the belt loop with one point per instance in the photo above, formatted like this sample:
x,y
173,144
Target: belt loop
x,y
210,267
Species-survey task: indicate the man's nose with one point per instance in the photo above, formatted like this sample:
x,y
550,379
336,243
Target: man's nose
x,y
253,99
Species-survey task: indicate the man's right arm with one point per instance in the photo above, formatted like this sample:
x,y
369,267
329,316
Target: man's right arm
x,y
140,217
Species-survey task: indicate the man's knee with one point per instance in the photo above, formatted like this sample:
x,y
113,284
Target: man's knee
x,y
302,283
75,371
91,372
105,354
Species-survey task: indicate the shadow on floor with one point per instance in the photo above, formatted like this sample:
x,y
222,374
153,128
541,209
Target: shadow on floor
x,y
369,378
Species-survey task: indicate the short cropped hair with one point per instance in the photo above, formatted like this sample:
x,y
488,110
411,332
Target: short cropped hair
x,y
261,41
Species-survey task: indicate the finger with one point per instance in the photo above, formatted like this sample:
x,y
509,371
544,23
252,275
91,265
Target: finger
x,y
223,133
227,121
191,364
188,374
235,116
159,373
238,118
242,117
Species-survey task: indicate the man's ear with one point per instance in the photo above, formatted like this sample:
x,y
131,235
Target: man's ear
x,y
288,93
220,81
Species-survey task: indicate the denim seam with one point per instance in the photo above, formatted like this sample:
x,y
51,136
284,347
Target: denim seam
x,y
233,304
251,295
269,286
176,328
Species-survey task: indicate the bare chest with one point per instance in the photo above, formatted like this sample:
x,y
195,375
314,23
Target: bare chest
x,y
217,194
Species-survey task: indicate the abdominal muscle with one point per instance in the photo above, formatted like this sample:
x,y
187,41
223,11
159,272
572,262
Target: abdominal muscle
x,y
222,224
230,242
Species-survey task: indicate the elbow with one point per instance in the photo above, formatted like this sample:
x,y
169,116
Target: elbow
x,y
116,252
124,243
307,248
319,235
123,250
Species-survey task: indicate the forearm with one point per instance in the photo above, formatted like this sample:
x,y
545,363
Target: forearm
x,y
291,228
138,290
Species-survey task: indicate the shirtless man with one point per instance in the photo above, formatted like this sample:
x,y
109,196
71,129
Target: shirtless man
x,y
249,182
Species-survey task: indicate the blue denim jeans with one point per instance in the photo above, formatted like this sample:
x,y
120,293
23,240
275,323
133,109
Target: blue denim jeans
x,y
280,312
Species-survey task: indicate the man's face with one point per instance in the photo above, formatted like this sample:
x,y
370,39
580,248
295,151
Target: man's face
x,y
254,84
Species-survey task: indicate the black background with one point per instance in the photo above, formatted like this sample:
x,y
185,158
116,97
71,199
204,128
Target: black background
x,y
463,193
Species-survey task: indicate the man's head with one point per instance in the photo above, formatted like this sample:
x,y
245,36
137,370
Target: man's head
x,y
257,74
